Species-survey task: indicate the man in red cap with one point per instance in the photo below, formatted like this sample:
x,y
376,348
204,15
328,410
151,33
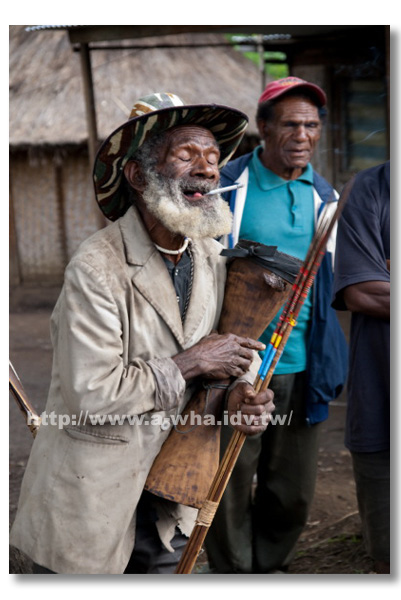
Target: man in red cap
x,y
279,203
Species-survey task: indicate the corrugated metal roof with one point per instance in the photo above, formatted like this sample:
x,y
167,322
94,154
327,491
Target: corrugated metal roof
x,y
52,27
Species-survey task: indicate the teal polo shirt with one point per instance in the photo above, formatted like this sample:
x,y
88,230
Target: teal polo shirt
x,y
280,213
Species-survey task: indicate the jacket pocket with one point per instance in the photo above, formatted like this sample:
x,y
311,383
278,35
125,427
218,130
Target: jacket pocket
x,y
85,434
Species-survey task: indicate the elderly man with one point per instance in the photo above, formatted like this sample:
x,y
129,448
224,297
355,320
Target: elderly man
x,y
279,204
132,336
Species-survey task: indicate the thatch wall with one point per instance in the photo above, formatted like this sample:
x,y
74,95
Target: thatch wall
x,y
53,212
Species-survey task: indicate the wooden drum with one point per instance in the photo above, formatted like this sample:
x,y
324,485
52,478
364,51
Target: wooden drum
x,y
259,280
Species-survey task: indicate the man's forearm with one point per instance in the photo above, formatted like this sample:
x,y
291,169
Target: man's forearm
x,y
371,298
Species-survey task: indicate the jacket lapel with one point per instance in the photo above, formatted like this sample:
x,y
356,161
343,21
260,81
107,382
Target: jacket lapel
x,y
150,275
154,283
202,286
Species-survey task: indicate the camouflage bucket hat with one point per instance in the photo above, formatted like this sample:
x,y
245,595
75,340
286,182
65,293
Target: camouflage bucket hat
x,y
149,116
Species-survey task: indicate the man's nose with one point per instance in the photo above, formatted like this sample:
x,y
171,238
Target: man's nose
x,y
202,168
300,133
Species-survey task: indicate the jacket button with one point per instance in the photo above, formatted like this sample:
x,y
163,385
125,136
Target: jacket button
x,y
165,425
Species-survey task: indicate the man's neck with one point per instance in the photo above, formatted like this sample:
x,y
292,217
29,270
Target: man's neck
x,y
288,173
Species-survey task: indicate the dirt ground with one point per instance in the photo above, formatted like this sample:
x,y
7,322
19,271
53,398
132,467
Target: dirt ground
x,y
331,542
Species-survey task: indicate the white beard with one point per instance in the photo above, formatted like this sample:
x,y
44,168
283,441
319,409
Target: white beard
x,y
209,217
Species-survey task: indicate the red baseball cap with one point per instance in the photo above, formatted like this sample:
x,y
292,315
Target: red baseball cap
x,y
282,86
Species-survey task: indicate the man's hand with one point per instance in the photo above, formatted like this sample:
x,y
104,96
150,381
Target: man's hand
x,y
218,357
249,411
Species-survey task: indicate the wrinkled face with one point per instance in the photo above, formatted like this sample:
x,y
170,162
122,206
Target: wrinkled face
x,y
291,137
190,154
187,168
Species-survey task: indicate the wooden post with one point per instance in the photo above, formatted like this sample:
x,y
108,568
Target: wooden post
x,y
14,259
89,101
62,215
90,109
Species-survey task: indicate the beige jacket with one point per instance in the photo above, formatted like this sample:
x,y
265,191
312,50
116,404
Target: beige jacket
x,y
114,329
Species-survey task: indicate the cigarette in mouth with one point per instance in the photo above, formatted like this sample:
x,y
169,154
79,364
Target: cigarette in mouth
x,y
225,189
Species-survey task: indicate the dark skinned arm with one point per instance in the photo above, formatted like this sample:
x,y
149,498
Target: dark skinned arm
x,y
370,298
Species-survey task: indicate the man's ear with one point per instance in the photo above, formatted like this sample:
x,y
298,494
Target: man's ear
x,y
262,128
135,176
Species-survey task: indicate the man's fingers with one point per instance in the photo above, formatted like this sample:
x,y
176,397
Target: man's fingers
x,y
252,409
253,424
251,430
251,344
246,353
248,395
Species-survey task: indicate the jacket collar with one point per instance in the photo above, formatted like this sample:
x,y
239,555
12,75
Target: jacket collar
x,y
152,279
137,243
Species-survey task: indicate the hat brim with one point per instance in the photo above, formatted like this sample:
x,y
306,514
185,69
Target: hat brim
x,y
227,125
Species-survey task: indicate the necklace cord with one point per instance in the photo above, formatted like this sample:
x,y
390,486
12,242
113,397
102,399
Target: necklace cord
x,y
175,252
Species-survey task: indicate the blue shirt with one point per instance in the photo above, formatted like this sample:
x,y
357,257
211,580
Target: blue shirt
x,y
280,213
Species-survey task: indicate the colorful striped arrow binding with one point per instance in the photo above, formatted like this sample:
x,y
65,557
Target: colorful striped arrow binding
x,y
300,291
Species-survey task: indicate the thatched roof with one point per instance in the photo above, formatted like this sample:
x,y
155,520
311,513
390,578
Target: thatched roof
x,y
46,91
